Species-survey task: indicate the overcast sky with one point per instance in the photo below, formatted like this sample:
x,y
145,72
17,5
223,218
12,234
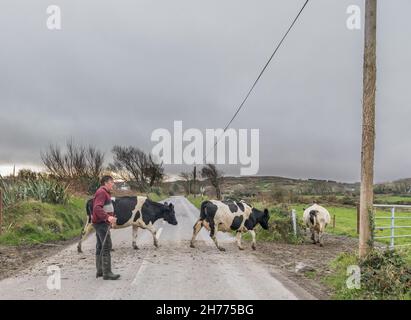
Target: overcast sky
x,y
120,69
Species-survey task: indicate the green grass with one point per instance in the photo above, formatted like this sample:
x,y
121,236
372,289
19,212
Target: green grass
x,y
196,200
392,199
156,197
31,222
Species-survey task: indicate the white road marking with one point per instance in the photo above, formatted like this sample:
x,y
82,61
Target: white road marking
x,y
143,267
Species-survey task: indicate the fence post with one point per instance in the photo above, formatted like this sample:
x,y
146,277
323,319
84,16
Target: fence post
x,y
294,220
1,211
334,222
392,227
358,218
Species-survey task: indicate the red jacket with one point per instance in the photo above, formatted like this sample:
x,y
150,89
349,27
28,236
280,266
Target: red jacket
x,y
102,206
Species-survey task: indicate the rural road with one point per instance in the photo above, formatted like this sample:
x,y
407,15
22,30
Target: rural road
x,y
173,271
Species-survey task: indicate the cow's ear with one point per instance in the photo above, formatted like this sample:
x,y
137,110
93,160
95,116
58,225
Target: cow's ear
x,y
171,206
266,212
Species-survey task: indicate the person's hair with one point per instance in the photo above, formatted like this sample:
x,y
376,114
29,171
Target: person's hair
x,y
105,179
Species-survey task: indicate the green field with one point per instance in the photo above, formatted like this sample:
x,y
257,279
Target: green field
x,y
346,222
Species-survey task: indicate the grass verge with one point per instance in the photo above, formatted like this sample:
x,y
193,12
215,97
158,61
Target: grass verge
x,y
31,222
385,275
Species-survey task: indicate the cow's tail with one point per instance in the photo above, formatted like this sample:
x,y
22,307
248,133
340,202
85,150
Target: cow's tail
x,y
89,209
313,216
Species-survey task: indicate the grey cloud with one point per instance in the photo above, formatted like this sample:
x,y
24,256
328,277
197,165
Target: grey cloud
x,y
119,70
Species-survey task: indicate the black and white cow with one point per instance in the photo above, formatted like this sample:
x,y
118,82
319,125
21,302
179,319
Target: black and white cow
x,y
137,212
229,216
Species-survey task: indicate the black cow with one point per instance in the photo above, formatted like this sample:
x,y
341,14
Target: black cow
x,y
229,216
137,212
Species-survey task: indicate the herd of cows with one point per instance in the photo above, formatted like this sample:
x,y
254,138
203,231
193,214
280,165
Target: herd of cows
x,y
215,215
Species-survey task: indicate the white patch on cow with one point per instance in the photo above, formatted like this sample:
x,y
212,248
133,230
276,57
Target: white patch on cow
x,y
224,217
109,208
323,217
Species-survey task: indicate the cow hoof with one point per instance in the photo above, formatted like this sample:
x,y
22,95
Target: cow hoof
x,y
321,245
192,245
253,247
79,250
135,247
221,249
241,248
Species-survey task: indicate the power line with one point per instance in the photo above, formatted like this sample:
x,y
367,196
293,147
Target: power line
x,y
258,78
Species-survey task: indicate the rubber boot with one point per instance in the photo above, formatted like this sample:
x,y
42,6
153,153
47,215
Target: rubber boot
x,y
107,274
99,266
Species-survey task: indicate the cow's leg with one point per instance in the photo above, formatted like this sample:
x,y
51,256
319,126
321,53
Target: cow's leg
x,y
253,236
321,238
196,229
213,232
134,243
317,236
313,235
87,230
154,233
238,237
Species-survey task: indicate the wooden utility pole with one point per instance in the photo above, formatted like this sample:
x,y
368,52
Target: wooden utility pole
x,y
1,211
368,127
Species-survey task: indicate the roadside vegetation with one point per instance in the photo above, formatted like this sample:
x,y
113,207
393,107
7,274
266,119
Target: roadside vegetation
x,y
33,221
385,275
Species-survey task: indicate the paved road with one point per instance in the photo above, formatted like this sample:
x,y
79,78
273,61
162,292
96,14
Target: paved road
x,y
173,271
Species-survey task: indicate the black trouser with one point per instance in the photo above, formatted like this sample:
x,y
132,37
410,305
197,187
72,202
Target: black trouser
x,y
101,232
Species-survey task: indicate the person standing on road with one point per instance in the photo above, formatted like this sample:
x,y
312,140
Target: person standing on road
x,y
103,218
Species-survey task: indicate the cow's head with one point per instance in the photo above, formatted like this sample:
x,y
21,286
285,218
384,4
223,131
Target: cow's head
x,y
265,219
168,214
261,217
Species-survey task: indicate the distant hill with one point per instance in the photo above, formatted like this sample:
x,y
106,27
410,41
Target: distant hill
x,y
253,185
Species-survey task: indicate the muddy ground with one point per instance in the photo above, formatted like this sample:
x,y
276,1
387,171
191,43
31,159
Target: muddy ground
x,y
285,257
16,258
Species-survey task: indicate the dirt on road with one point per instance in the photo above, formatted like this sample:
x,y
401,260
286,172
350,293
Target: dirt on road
x,y
14,259
306,264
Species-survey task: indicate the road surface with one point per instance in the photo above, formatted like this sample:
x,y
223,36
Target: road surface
x,y
173,271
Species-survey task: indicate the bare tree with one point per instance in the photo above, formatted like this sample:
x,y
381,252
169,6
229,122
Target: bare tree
x,y
215,177
136,167
77,162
